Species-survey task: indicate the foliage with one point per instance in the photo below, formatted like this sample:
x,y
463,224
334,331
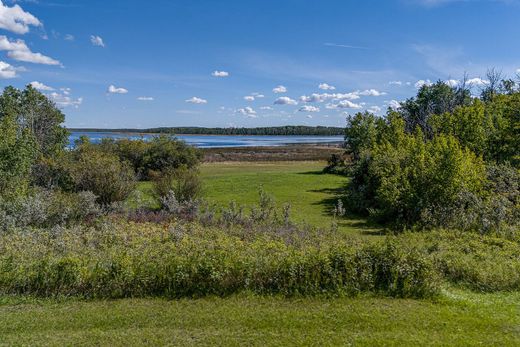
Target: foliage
x,y
272,131
101,173
185,184
38,115
44,208
128,260
16,157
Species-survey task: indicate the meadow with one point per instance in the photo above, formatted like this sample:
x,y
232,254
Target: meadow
x,y
456,316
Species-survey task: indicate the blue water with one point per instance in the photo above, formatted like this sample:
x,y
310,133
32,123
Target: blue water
x,y
215,141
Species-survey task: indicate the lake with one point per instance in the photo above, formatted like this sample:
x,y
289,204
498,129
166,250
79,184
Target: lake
x,y
215,141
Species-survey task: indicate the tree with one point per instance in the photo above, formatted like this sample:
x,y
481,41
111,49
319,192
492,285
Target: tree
x,y
38,115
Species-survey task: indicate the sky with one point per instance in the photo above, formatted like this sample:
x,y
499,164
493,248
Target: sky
x,y
247,63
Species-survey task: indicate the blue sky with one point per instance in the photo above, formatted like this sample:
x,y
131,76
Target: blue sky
x,y
247,63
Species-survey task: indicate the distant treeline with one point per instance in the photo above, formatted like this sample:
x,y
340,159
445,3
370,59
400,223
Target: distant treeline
x,y
283,130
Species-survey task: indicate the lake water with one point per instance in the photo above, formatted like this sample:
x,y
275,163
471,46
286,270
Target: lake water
x,y
215,141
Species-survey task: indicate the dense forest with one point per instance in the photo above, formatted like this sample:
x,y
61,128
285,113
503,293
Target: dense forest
x,y
273,131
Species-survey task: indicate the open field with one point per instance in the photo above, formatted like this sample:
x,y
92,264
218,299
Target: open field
x,y
312,194
458,319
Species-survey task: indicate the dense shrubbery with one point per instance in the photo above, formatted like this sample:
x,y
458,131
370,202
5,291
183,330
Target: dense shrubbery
x,y
185,260
441,161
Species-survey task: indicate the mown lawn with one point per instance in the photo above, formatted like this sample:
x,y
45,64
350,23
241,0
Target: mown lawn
x,y
458,319
311,193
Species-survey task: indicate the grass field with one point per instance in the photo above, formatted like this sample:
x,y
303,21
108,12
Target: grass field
x,y
459,319
311,193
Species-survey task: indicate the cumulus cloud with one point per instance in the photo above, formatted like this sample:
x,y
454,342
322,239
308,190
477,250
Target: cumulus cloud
x,y
247,111
308,108
196,100
97,41
309,116
64,99
18,50
394,104
258,95
145,98
7,70
325,86
280,90
344,104
452,83
16,20
112,89
370,92
285,100
220,74
40,86
396,83
420,83
374,109
69,37
249,98
326,97
266,108
479,82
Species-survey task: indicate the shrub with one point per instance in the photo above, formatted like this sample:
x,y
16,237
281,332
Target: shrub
x,y
48,208
103,174
184,183
185,260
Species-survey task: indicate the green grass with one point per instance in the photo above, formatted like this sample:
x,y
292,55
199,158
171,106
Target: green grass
x,y
459,319
311,193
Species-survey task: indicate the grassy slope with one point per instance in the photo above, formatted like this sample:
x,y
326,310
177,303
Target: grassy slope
x,y
311,193
460,318
464,319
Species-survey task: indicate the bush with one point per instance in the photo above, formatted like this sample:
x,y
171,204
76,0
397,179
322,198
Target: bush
x,y
48,208
103,174
184,183
185,260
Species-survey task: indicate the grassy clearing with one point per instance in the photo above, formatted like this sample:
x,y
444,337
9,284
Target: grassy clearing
x,y
459,319
311,193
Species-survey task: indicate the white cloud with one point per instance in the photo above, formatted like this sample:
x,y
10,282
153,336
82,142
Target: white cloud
x,y
452,83
266,108
308,108
69,37
309,116
40,86
196,100
112,89
220,74
64,100
344,104
284,100
518,71
97,41
145,98
374,109
325,86
325,97
249,98
280,90
370,92
420,83
18,50
479,82
396,83
16,20
258,95
7,70
394,104
247,111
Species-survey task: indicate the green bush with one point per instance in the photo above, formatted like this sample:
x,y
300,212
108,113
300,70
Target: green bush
x,y
102,174
184,183
185,260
